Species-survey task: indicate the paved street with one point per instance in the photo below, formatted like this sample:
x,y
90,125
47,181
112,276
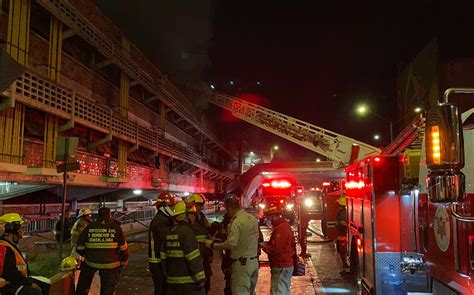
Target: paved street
x,y
322,271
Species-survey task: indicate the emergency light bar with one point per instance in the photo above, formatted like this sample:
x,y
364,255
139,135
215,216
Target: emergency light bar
x,y
355,184
277,184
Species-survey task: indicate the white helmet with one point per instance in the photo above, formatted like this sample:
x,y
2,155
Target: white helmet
x,y
84,211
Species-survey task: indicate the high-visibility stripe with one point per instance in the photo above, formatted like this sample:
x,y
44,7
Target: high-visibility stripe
x,y
175,253
201,238
101,245
187,279
173,244
124,247
154,260
163,255
103,265
80,247
190,256
172,237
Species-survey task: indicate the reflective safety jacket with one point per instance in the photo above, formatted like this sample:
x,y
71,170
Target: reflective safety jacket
x,y
77,228
183,261
103,245
160,227
13,267
201,229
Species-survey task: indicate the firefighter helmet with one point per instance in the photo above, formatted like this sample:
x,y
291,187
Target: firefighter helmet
x,y
179,208
13,222
165,199
84,211
68,263
341,201
195,199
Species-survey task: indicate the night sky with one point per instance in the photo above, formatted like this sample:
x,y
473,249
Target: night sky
x,y
315,61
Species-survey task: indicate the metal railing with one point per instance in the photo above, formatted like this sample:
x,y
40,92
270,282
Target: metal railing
x,y
43,224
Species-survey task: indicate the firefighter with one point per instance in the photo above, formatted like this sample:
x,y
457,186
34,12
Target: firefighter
x,y
84,218
184,270
104,248
281,251
13,267
341,226
198,220
160,227
242,241
303,227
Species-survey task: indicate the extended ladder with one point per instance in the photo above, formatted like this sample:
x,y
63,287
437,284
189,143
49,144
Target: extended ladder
x,y
335,147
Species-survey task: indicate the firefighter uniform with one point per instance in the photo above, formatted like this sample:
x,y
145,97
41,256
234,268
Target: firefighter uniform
x,y
81,223
200,225
185,274
160,227
341,226
104,248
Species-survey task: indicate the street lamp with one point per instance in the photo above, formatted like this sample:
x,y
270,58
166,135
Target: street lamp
x,y
272,151
376,137
417,110
363,109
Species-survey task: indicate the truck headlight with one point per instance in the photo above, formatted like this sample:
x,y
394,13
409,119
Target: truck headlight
x,y
262,206
308,202
290,207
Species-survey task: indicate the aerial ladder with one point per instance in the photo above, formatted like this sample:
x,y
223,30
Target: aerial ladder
x,y
341,150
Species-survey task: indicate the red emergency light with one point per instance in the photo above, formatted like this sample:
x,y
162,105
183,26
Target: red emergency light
x,y
377,159
326,183
355,184
266,184
299,191
280,184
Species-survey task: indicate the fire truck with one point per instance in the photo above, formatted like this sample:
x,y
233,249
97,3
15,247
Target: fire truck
x,y
410,211
281,193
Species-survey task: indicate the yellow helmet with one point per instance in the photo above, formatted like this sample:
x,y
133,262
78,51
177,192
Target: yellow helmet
x,y
12,217
195,199
68,263
179,208
341,201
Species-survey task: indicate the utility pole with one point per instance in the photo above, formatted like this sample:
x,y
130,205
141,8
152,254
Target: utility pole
x,y
65,151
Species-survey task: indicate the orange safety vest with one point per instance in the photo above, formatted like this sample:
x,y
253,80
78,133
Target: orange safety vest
x,y
3,253
21,264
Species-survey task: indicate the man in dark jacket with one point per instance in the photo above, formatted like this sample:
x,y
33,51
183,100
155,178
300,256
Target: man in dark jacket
x,y
67,227
281,252
160,227
104,248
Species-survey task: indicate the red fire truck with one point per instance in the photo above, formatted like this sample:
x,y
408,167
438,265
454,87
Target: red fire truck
x,y
410,226
281,192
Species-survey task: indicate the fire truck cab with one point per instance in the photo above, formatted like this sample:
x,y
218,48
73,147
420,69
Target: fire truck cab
x,y
281,193
411,225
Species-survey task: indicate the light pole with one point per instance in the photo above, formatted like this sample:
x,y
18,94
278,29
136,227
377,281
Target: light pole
x,y
362,109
